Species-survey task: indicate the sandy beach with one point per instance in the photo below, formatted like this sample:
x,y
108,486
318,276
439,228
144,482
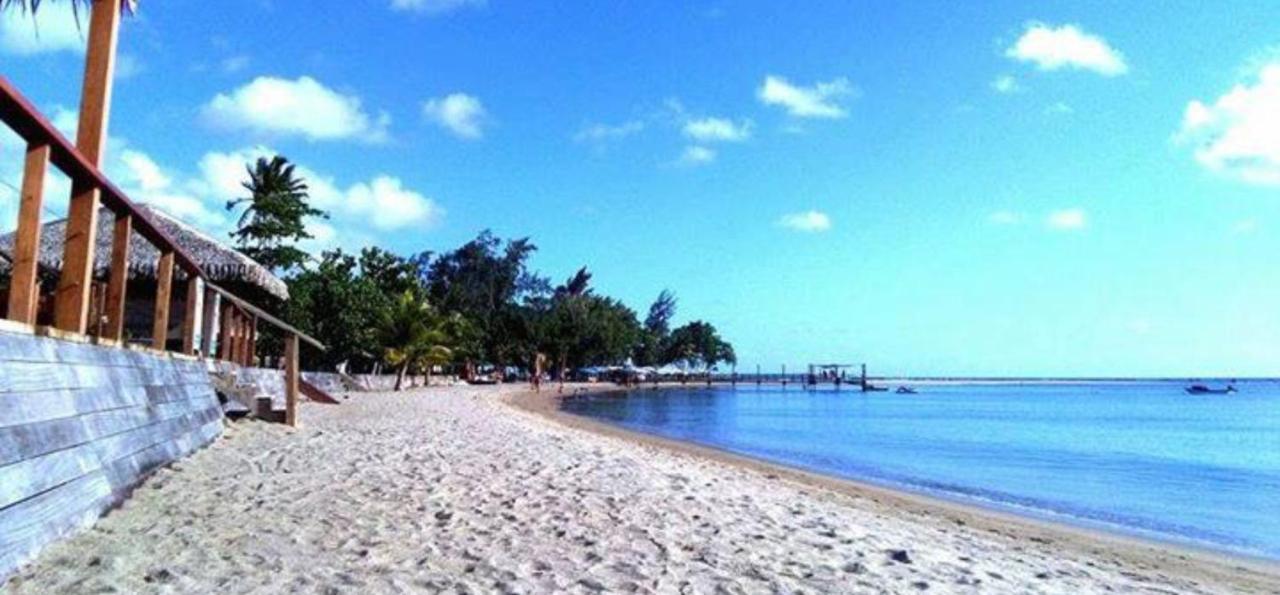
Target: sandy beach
x,y
485,490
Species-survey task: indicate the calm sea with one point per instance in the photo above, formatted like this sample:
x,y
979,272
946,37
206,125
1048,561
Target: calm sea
x,y
1136,457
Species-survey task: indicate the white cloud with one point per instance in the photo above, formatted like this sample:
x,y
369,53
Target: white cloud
x,y
1005,217
1005,84
807,221
816,101
600,133
1067,219
221,174
383,202
697,155
461,114
144,181
361,212
143,171
434,6
1067,46
302,107
1238,135
53,29
712,129
389,205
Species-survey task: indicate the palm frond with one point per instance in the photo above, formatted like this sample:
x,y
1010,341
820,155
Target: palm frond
x,y
33,6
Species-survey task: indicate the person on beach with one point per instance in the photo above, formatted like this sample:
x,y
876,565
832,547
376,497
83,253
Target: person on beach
x,y
539,362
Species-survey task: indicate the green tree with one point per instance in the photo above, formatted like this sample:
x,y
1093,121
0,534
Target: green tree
x,y
577,328
335,303
393,274
487,281
274,219
699,344
413,335
657,329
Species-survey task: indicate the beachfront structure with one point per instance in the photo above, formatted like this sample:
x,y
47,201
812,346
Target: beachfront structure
x,y
84,415
225,266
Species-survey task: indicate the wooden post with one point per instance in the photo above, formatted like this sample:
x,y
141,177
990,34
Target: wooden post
x,y
244,339
233,337
119,276
24,286
206,322
189,315
164,292
291,379
99,65
72,299
224,336
264,409
96,308
251,349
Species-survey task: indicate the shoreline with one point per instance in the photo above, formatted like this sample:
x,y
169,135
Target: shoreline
x,y
485,489
1237,570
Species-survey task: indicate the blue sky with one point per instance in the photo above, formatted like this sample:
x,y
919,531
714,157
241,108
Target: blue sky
x,y
1025,189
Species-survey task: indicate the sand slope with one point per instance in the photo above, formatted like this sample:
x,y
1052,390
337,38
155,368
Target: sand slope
x,y
454,490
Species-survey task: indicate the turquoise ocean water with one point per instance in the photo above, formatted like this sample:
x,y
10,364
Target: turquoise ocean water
x,y
1134,457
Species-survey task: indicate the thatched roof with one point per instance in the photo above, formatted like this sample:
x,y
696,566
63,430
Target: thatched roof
x,y
220,262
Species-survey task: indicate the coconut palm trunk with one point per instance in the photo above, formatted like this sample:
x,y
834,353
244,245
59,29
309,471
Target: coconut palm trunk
x,y
400,374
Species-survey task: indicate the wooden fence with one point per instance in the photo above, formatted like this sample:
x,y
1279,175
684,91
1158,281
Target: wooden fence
x,y
236,334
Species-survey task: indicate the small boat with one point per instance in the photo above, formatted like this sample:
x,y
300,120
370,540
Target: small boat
x,y
1200,389
871,388
906,390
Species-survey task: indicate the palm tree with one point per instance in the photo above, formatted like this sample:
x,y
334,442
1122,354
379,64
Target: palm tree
x,y
415,335
31,6
275,218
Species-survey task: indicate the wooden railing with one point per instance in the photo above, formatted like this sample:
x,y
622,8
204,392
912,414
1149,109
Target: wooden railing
x,y
236,335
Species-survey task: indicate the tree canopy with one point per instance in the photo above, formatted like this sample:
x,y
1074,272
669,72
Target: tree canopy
x,y
335,302
274,219
488,282
699,345
479,303
578,328
657,330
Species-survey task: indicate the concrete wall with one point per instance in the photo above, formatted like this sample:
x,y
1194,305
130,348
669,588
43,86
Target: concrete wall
x,y
244,386
386,382
81,425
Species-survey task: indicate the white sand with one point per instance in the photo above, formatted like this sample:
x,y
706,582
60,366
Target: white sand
x,y
455,490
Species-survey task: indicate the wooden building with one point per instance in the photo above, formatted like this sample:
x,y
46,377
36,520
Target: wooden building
x,y
224,265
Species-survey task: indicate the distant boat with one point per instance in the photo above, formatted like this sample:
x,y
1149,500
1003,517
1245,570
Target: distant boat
x,y
1200,389
905,390
871,388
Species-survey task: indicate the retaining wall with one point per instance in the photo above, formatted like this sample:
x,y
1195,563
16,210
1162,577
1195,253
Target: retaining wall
x,y
81,425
